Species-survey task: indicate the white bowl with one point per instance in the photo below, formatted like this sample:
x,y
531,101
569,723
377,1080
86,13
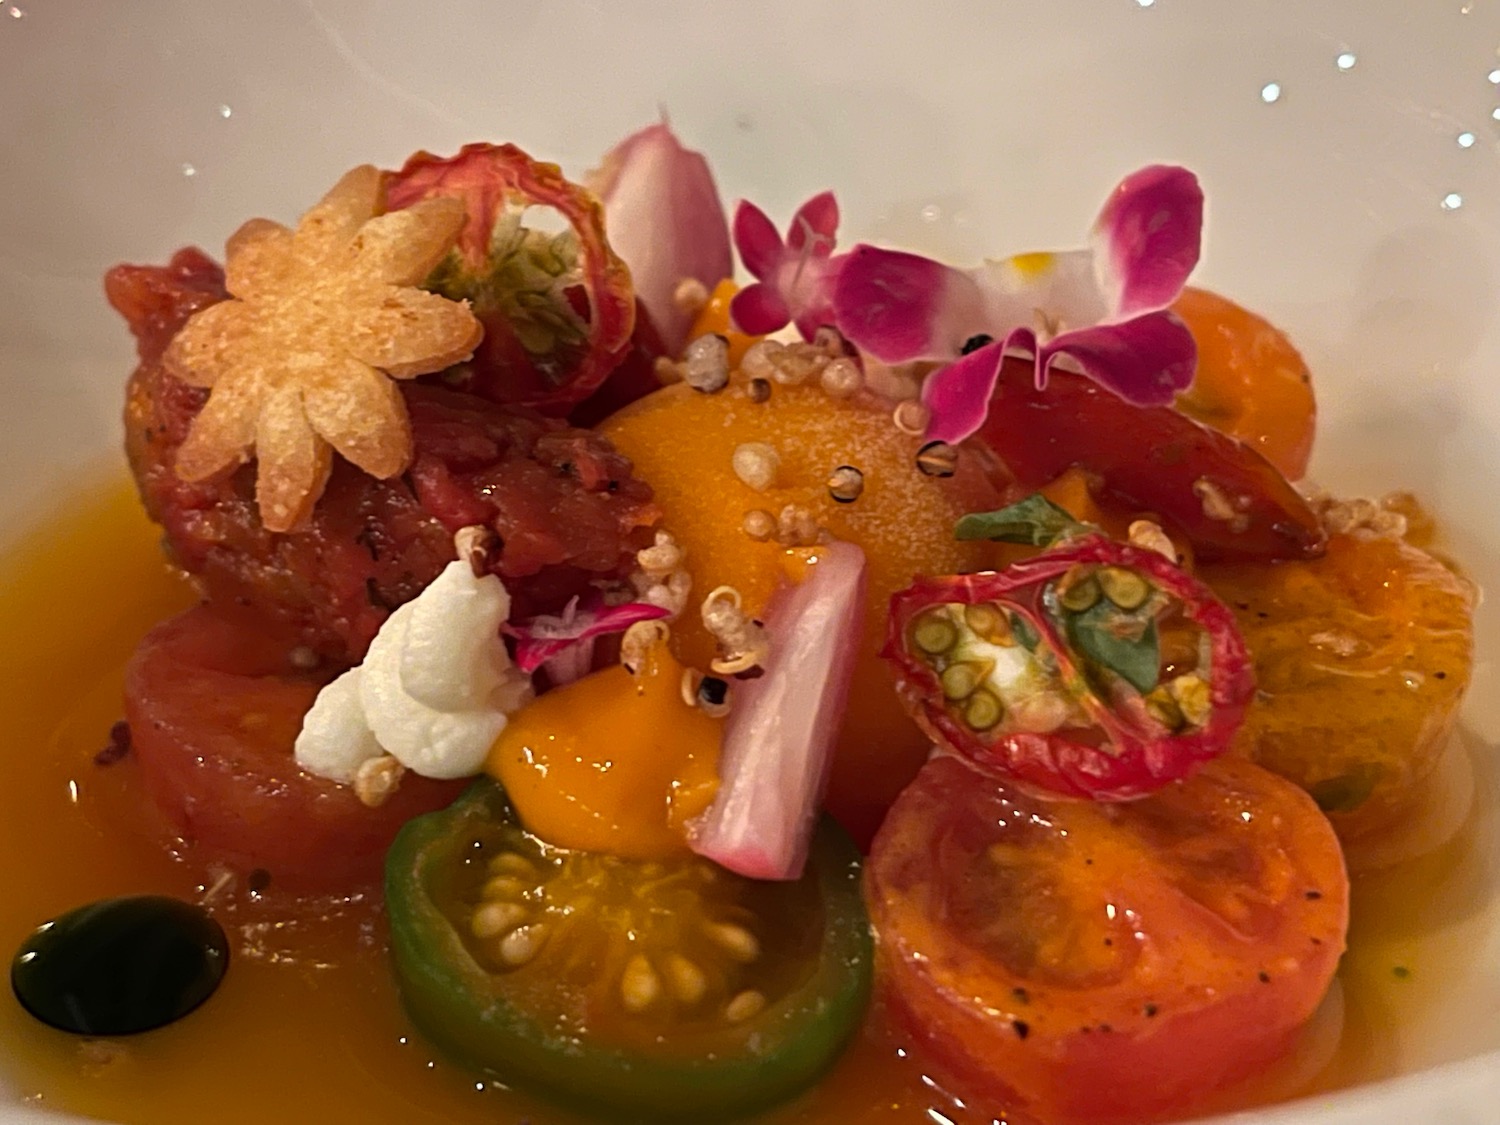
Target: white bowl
x,y
1348,148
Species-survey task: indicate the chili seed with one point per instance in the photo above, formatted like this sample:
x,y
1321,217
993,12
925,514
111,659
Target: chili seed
x,y
845,484
1079,594
747,1005
639,985
758,390
522,944
937,459
830,341
1125,588
990,623
503,886
494,918
983,710
685,979
934,633
512,863
960,680
734,940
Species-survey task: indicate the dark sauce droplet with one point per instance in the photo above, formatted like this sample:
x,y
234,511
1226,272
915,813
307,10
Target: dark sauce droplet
x,y
121,965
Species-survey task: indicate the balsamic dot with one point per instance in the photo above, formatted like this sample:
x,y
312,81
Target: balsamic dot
x,y
1313,896
1150,1011
1265,977
1023,1029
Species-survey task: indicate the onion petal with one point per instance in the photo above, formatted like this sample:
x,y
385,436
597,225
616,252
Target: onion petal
x,y
780,734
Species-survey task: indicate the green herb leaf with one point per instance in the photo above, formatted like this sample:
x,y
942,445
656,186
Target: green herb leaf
x,y
1035,521
1021,629
1114,640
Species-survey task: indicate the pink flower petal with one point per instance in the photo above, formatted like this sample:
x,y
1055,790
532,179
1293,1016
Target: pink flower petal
x,y
543,639
900,307
815,225
759,309
780,734
664,217
1147,239
958,396
1145,361
757,240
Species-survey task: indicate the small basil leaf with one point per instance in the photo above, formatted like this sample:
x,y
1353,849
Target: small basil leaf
x,y
1021,629
1096,633
1035,521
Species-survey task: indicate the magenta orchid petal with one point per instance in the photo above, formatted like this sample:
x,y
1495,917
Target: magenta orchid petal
x,y
815,225
1146,361
757,240
758,310
666,221
1147,239
543,639
812,292
957,397
900,307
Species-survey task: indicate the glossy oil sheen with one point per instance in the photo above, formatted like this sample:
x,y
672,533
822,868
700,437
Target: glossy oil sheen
x,y
310,998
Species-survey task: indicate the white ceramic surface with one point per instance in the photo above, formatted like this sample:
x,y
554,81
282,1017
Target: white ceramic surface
x,y
1350,150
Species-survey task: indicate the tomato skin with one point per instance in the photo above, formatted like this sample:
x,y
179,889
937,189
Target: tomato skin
x,y
1116,962
1151,457
214,707
492,179
1251,382
1136,759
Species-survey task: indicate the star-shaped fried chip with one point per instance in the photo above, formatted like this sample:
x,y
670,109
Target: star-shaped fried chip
x,y
300,360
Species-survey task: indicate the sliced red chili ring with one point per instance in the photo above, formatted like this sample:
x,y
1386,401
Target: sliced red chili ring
x,y
558,310
1095,670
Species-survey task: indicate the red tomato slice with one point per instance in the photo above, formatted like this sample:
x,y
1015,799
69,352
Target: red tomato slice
x,y
1085,962
557,311
1229,500
214,706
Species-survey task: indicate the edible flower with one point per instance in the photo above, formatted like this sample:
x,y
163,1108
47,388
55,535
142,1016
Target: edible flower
x,y
663,215
564,643
434,689
1100,311
795,277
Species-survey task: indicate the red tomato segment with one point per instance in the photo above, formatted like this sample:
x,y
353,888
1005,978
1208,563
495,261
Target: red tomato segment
x,y
1084,962
214,706
1229,500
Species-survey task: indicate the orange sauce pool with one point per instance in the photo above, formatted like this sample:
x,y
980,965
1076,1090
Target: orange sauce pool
x,y
307,1025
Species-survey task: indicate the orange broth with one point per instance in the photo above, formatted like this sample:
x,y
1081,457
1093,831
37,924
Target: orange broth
x,y
307,1025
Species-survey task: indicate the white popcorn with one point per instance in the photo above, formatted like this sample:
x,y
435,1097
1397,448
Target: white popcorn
x,y
433,691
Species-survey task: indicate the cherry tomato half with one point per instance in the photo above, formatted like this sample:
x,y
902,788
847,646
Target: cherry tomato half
x,y
1229,500
214,706
1087,962
1095,670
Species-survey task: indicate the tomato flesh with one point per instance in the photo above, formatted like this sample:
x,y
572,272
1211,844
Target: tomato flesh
x,y
214,706
1229,500
1087,962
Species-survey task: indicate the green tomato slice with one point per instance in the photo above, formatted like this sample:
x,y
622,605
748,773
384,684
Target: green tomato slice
x,y
658,990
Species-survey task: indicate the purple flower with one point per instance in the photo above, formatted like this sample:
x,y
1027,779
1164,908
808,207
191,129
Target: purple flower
x,y
1100,311
795,277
